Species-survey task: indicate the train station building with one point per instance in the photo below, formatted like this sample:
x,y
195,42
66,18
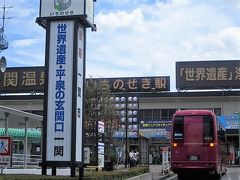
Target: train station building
x,y
213,85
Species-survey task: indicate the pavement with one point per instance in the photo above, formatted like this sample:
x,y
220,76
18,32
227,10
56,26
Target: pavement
x,y
158,174
156,170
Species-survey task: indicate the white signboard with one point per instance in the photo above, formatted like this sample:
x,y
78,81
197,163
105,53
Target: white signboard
x,y
164,155
53,8
101,160
80,55
56,8
89,10
101,127
59,124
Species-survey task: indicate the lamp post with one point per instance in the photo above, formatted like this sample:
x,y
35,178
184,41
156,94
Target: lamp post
x,y
128,118
126,134
238,116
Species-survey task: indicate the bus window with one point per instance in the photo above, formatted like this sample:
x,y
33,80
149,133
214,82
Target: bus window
x,y
208,129
178,130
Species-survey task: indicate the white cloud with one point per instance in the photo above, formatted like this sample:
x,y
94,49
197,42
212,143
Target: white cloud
x,y
137,37
24,43
149,39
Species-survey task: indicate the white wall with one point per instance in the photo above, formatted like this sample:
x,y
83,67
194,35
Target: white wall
x,y
228,105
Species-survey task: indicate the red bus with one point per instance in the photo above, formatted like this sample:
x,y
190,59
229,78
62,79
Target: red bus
x,y
198,143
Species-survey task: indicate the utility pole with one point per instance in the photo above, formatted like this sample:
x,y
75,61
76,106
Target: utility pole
x,y
3,41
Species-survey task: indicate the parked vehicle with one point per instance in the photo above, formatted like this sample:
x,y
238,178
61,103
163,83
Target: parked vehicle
x,y
198,143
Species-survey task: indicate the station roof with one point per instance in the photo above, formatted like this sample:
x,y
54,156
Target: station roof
x,y
16,118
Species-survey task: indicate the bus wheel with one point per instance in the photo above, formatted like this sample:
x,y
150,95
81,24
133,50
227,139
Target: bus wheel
x,y
218,175
180,176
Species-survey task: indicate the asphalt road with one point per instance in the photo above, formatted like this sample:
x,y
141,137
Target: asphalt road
x,y
233,173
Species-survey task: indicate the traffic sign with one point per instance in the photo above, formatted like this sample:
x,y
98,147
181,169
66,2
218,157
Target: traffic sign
x,y
5,146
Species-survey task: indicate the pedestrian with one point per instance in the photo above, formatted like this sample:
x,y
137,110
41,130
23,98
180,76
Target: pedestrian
x,y
137,155
230,158
131,158
135,158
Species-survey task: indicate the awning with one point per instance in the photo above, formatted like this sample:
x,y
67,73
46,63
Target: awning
x,y
20,133
17,118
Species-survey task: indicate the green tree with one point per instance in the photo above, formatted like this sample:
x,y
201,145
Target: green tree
x,y
100,106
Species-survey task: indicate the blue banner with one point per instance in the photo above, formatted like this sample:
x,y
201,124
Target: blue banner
x,y
230,122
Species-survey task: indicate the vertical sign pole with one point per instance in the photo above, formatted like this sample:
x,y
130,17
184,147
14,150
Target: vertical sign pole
x,y
65,23
74,97
44,125
81,168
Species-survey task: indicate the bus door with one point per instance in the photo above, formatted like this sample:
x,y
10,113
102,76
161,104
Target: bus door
x,y
199,134
193,137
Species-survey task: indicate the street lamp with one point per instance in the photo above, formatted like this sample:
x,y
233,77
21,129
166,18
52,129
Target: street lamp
x,y
128,107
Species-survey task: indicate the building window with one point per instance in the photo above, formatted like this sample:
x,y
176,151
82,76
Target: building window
x,y
156,114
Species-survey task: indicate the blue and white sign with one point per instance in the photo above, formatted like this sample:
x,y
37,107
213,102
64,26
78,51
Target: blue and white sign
x,y
230,122
59,124
5,146
100,148
5,151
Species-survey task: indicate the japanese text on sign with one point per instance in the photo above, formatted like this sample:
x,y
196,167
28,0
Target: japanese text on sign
x,y
60,84
137,84
208,74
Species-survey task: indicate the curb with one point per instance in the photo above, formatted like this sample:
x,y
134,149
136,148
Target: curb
x,y
145,176
164,176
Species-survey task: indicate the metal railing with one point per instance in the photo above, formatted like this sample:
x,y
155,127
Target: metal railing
x,y
26,161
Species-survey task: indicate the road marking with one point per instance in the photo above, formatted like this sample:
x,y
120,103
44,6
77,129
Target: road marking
x,y
228,177
172,177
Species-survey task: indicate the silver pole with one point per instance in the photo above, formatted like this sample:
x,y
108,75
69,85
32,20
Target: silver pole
x,y
6,124
26,140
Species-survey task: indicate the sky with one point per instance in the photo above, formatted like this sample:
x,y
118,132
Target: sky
x,y
135,38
